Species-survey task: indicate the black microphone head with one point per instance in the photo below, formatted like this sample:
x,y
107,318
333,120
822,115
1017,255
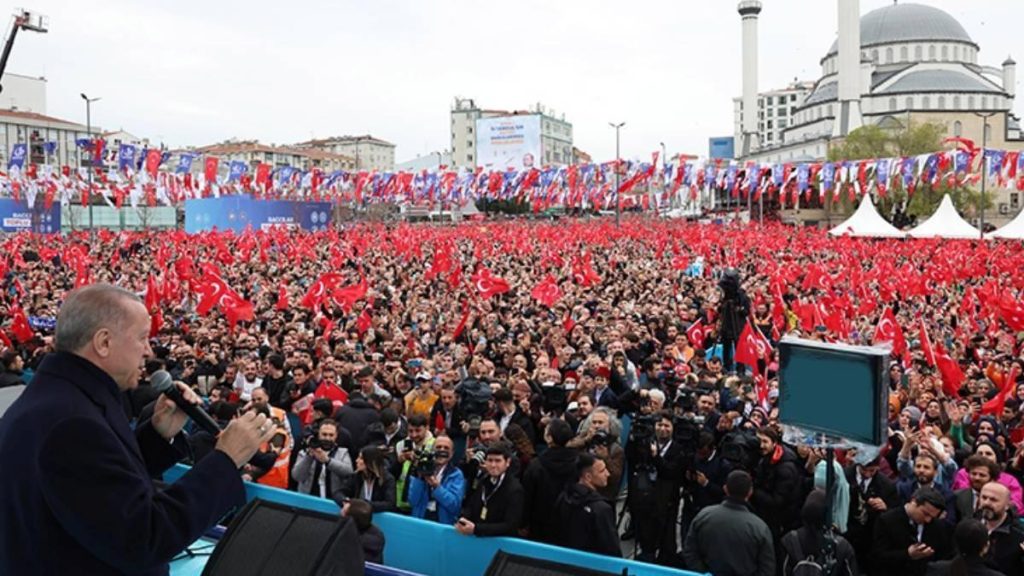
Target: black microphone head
x,y
161,381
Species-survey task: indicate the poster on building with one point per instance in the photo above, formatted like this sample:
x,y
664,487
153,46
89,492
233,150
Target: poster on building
x,y
508,142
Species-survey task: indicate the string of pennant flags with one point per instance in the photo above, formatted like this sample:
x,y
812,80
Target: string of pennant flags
x,y
148,177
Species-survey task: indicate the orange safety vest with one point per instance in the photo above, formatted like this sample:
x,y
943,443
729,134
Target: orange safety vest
x,y
278,475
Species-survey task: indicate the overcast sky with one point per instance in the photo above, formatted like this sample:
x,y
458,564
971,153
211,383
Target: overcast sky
x,y
193,73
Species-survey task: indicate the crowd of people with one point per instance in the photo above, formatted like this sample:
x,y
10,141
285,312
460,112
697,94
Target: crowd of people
x,y
484,377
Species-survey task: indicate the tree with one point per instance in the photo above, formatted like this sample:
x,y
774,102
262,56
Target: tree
x,y
873,141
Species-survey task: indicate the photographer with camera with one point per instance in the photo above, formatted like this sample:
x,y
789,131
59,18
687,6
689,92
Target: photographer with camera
x,y
436,485
733,310
705,481
408,453
323,465
656,473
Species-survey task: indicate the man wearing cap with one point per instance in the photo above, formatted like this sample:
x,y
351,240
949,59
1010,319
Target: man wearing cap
x,y
421,399
603,395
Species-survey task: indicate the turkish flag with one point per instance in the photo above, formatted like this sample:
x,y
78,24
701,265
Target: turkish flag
x,y
888,330
153,161
1012,313
20,327
347,297
156,322
97,151
926,344
583,272
365,321
318,290
282,297
489,285
152,295
262,175
952,376
995,405
752,345
211,169
546,292
697,333
462,321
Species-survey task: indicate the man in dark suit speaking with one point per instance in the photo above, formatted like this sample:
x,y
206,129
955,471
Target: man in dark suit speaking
x,y
77,495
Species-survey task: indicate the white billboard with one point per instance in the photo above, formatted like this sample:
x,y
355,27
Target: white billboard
x,y
508,142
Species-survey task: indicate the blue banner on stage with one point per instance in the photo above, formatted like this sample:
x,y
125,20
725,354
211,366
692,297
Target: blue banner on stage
x,y
239,212
16,216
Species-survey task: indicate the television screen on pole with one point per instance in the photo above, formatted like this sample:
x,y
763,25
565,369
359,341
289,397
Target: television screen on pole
x,y
507,142
834,389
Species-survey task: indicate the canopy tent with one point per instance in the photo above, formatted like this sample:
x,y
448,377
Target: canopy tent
x,y
866,222
945,223
1012,231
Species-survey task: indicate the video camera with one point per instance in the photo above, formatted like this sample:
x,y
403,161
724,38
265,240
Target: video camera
x,y
555,398
474,402
325,445
424,462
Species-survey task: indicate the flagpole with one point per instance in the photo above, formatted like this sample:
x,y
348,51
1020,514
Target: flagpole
x,y
984,166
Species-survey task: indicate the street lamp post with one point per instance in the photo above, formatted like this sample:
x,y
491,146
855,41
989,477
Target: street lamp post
x,y
88,130
618,201
664,164
984,166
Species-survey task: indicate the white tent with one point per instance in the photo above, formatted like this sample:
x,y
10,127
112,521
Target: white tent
x,y
867,223
945,223
1012,231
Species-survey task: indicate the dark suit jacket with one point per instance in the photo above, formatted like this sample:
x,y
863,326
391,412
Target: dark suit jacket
x,y
504,508
893,536
964,500
880,487
77,495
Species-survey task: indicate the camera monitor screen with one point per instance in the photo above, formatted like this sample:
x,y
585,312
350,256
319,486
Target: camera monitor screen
x,y
834,389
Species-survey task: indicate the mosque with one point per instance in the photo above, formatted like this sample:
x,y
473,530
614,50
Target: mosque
x,y
901,64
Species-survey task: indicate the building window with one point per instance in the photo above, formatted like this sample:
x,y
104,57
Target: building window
x,y
918,53
770,100
926,102
945,53
910,103
1014,200
892,104
792,97
469,129
769,124
783,123
956,102
782,111
469,143
956,52
830,113
942,102
904,54
970,102
958,128
984,102
469,157
888,56
874,56
771,112
931,52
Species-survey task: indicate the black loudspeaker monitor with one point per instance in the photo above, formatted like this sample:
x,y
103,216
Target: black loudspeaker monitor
x,y
267,538
505,564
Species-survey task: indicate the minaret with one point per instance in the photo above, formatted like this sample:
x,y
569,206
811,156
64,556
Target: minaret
x,y
749,10
848,117
1010,77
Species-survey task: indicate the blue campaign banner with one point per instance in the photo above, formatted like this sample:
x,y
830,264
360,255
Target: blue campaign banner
x,y
240,212
15,216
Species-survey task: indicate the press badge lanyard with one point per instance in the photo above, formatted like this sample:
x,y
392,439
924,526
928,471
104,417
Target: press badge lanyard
x,y
485,498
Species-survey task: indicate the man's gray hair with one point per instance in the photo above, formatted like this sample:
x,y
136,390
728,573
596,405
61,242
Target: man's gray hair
x,y
614,424
88,309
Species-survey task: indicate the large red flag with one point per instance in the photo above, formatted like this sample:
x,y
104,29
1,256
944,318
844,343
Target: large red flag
x,y
318,290
752,345
696,334
996,405
952,376
926,345
20,327
282,298
365,320
547,292
489,285
888,330
462,321
153,161
211,169
1011,311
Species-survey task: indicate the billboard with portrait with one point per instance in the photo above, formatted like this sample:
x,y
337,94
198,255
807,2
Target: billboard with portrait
x,y
508,142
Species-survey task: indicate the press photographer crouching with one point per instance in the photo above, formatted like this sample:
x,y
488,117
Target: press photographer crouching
x,y
323,466
436,486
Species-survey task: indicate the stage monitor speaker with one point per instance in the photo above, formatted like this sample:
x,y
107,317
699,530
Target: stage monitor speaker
x,y
505,564
267,538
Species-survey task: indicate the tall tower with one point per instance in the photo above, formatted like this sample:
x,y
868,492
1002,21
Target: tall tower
x,y
749,11
849,116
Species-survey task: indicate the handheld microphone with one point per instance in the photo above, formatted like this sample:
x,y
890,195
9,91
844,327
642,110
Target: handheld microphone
x,y
162,382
